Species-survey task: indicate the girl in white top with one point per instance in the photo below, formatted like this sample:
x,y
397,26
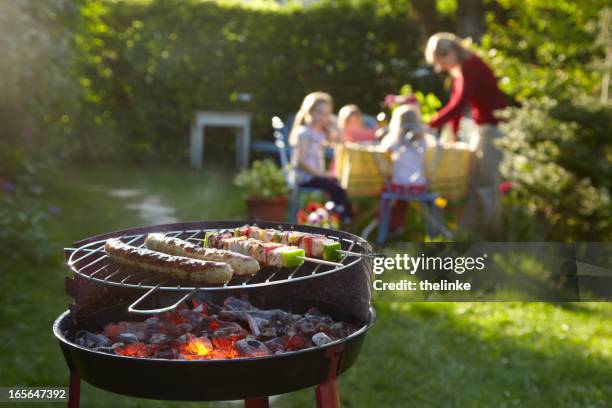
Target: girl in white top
x,y
407,140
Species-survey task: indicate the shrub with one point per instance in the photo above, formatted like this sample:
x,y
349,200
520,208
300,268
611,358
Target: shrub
x,y
558,157
24,226
541,47
38,103
39,97
146,66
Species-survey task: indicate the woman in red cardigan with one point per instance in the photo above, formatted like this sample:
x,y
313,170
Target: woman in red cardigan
x,y
474,85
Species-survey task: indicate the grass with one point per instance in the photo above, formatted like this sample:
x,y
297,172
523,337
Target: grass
x,y
417,354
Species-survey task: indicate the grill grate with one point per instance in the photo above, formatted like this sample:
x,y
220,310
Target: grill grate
x,y
90,262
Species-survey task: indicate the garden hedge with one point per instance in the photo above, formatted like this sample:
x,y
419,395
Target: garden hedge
x,y
146,66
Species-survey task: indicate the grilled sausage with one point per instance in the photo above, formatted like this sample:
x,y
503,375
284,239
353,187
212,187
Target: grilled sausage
x,y
194,270
241,264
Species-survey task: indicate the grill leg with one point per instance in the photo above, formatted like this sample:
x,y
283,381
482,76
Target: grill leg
x,y
257,402
74,390
327,394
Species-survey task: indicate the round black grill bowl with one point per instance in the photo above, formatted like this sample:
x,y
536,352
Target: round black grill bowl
x,y
208,380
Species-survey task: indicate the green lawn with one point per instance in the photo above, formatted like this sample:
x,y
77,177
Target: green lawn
x,y
417,354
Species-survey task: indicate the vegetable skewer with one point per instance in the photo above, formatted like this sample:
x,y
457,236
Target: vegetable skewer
x,y
314,245
267,253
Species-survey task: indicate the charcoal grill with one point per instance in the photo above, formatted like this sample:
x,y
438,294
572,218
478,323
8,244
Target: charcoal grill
x,y
104,292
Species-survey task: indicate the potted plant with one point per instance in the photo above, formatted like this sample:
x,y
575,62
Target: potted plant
x,y
266,191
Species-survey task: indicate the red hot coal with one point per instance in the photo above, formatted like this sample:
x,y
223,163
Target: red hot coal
x,y
206,331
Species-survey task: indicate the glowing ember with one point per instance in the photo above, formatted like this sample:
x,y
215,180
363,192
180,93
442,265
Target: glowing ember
x,y
134,349
199,346
236,329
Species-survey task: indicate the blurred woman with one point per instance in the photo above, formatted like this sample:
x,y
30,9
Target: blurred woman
x,y
312,129
474,85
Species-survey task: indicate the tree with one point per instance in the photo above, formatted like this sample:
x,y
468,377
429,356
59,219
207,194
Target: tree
x,y
604,40
543,47
471,19
38,92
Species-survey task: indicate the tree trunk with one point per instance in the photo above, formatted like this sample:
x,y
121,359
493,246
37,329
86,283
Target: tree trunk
x,y
471,19
427,13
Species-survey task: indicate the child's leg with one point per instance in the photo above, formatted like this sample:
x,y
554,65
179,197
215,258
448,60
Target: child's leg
x,y
338,194
398,215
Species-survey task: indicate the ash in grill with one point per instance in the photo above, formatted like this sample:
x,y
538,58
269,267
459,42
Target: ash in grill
x,y
207,331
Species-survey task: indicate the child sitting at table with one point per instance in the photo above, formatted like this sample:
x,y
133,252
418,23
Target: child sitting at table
x,y
352,128
407,140
312,129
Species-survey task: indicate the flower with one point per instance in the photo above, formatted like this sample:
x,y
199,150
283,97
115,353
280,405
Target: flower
x,y
410,100
312,206
319,215
505,187
440,202
301,216
393,100
54,210
313,218
389,100
8,186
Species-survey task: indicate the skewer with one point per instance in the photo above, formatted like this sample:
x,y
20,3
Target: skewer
x,y
303,258
320,261
350,253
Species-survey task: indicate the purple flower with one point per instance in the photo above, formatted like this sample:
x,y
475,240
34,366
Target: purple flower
x,y
389,100
8,186
54,210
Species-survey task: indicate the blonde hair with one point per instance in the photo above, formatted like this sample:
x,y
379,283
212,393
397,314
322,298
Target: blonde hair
x,y
405,118
346,112
310,102
440,44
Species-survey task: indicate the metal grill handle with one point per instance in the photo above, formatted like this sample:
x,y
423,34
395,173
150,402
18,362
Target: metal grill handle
x,y
132,307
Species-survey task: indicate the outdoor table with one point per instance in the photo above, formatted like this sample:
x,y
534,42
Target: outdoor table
x,y
239,120
362,168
